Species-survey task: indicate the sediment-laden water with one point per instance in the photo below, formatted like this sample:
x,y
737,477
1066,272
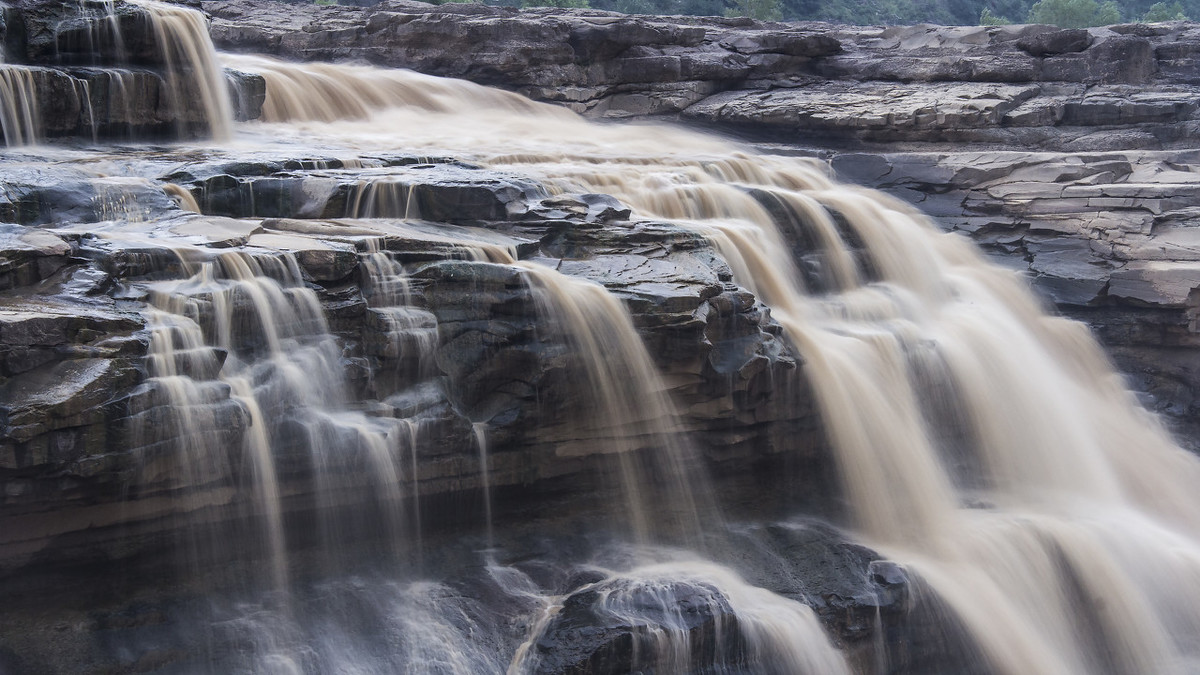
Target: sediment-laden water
x,y
986,450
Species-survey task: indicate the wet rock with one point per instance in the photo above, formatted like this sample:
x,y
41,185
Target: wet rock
x,y
323,261
29,255
247,92
586,636
69,393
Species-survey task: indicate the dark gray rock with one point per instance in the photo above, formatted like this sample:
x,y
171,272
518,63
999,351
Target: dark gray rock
x,y
585,636
1055,42
28,255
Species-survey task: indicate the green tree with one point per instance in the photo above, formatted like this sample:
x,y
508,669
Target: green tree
x,y
1075,13
1161,11
763,10
986,18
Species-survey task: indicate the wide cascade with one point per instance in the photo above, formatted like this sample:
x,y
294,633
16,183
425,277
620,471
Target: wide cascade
x,y
344,464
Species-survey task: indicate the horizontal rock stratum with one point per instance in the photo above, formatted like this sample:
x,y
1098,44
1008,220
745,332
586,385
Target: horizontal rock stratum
x,y
1099,214
1030,86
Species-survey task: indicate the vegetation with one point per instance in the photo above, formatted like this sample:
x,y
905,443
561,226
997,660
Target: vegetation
x,y
1161,11
763,10
986,18
1075,13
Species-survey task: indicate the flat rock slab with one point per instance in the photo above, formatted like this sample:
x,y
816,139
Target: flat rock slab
x,y
408,238
1156,282
40,400
850,105
50,322
674,283
322,260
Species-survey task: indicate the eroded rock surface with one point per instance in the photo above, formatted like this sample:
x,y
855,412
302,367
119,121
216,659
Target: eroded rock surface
x,y
1108,237
1119,87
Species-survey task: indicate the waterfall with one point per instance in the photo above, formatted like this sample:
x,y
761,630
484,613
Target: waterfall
x,y
1048,512
987,449
191,62
634,417
331,93
19,111
183,197
1060,454
282,364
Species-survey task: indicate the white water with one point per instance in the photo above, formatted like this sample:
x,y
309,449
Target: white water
x,y
193,73
1085,556
1063,529
771,634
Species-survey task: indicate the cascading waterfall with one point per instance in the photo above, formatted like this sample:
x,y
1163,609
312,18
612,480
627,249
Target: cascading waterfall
x,y
332,93
1054,518
285,368
633,413
192,67
986,447
1050,432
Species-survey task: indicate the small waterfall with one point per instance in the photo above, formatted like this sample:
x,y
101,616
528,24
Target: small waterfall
x,y
182,196
83,90
284,368
101,40
120,84
383,198
726,625
322,92
634,418
19,111
192,68
480,431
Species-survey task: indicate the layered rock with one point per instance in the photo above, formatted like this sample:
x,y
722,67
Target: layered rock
x,y
73,316
93,455
1105,236
1108,238
101,70
1121,87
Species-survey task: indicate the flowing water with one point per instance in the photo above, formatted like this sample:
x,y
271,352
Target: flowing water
x,y
18,105
1060,528
192,71
986,447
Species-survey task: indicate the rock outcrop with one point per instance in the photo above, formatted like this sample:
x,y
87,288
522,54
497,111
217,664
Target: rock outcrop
x,y
101,71
943,117
1115,88
1108,237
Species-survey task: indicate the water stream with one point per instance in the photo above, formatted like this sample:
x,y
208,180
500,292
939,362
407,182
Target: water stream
x,y
1062,535
983,446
